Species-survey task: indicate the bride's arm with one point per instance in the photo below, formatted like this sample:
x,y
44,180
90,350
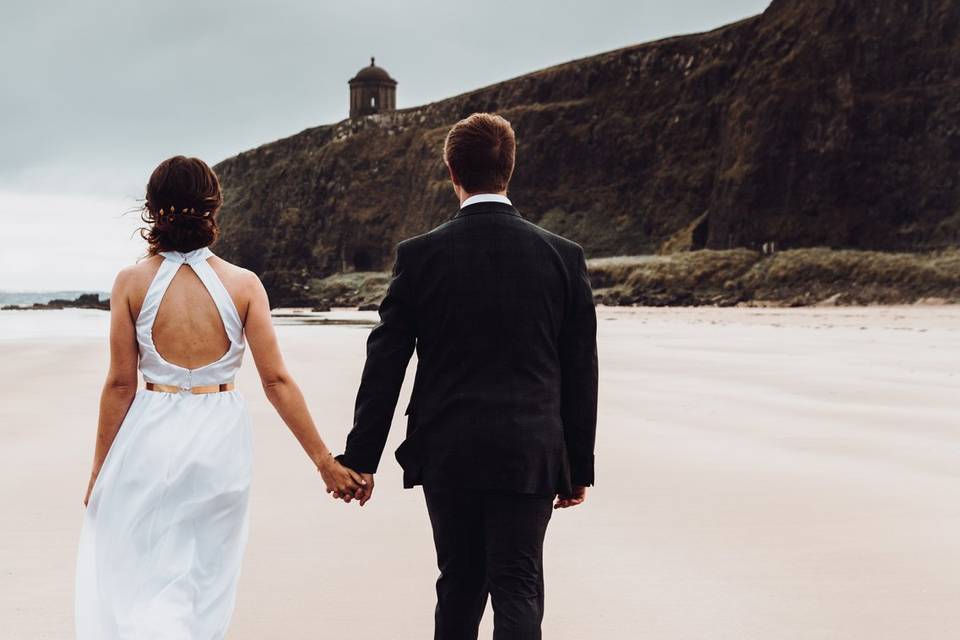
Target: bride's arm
x,y
285,395
121,384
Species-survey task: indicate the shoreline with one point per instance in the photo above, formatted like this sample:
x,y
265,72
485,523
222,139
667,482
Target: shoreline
x,y
21,326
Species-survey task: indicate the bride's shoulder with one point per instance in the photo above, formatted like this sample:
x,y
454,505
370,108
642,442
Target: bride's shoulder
x,y
137,275
235,278
227,269
132,282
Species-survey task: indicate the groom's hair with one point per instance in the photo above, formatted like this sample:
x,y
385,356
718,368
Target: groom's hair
x,y
480,151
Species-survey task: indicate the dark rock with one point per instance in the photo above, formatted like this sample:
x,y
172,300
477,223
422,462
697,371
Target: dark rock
x,y
369,306
842,129
83,301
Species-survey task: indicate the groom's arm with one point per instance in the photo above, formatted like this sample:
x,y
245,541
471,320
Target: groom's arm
x,y
578,359
389,348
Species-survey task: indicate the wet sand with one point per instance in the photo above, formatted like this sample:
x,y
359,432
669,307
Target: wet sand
x,y
762,473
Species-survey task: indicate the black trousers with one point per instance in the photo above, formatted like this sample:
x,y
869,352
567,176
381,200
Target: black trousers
x,y
488,543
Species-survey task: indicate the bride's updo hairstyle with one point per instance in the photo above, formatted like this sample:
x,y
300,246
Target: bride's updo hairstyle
x,y
183,198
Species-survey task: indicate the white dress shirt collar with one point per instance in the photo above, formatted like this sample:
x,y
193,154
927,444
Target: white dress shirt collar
x,y
485,197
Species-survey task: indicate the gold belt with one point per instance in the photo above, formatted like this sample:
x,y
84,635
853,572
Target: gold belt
x,y
210,388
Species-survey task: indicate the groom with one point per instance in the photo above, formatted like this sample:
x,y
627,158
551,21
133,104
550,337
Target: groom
x,y
503,414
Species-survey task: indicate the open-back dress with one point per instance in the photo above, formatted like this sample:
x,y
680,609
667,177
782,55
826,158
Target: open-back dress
x,y
165,528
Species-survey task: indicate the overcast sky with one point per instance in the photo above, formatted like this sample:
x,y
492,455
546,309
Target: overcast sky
x,y
94,94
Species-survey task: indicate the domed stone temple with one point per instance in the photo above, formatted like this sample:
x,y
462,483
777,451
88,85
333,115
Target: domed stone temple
x,y
372,90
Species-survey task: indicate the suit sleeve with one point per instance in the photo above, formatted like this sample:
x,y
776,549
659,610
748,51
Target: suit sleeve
x,y
389,348
578,354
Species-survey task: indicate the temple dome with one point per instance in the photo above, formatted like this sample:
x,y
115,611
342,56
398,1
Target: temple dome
x,y
373,73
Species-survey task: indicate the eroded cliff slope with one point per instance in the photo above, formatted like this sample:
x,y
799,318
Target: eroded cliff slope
x,y
819,122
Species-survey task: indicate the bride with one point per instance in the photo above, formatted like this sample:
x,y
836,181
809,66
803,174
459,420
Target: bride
x,y
165,526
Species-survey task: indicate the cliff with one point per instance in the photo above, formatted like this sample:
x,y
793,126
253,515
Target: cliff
x,y
818,123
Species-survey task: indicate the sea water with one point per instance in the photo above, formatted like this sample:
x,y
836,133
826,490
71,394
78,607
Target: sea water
x,y
54,323
94,323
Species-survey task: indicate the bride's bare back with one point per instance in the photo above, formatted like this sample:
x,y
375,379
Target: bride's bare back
x,y
188,330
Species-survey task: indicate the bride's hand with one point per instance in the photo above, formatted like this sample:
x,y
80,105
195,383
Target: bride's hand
x,y
340,481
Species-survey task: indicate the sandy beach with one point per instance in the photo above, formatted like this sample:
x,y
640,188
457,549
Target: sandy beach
x,y
785,474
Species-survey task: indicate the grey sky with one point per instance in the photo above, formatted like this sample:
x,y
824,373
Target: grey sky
x,y
95,93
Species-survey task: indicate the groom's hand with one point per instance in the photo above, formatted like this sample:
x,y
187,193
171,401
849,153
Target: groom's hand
x,y
576,498
366,491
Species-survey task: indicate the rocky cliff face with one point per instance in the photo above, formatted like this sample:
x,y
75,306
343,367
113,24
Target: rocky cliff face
x,y
842,128
820,122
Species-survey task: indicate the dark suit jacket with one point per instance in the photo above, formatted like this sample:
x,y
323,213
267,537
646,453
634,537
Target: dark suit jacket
x,y
501,315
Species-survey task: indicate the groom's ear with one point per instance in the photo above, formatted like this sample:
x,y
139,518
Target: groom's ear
x,y
453,176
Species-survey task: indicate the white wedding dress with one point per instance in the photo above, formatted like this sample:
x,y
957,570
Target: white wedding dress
x,y
165,529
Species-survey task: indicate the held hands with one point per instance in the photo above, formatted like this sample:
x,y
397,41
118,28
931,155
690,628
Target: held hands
x,y
578,496
342,482
363,495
